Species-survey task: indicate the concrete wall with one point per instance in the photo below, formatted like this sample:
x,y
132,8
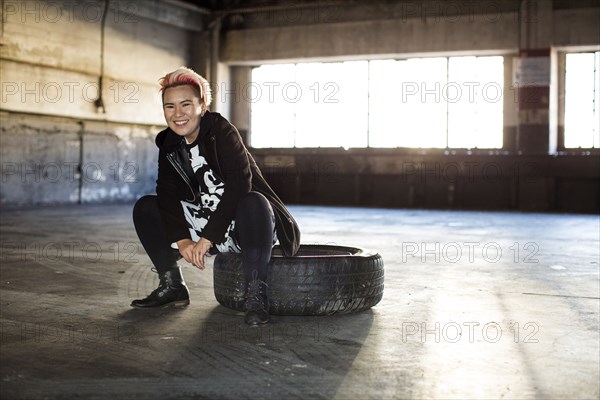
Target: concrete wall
x,y
443,179
406,29
52,160
57,145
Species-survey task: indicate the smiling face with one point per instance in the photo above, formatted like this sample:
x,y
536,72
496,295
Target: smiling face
x,y
182,108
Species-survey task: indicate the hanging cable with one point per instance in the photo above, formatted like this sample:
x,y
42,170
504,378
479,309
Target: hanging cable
x,y
99,102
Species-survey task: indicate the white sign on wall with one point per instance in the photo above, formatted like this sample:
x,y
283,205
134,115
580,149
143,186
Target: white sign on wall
x,y
531,71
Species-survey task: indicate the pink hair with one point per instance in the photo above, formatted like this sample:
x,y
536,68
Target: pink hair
x,y
186,76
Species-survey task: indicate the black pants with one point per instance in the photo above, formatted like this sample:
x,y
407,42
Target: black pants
x,y
253,230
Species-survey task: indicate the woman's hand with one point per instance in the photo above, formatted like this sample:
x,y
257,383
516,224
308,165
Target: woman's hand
x,y
194,252
200,250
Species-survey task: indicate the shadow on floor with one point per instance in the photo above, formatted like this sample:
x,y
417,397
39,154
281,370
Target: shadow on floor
x,y
219,356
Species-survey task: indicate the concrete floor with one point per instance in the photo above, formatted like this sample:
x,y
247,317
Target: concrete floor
x,y
476,305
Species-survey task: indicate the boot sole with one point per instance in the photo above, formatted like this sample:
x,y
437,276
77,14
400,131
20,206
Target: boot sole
x,y
257,325
179,303
174,304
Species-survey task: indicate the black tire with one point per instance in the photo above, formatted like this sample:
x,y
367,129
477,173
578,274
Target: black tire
x,y
319,280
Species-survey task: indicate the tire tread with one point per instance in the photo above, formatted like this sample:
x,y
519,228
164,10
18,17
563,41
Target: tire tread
x,y
308,285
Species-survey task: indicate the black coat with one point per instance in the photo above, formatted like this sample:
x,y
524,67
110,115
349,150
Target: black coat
x,y
222,147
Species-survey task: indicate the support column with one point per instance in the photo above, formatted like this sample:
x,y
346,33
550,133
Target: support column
x,y
532,73
241,78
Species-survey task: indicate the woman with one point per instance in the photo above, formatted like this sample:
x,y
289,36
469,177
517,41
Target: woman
x,y
211,197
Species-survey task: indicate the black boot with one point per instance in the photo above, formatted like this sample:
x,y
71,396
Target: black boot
x,y
171,291
257,304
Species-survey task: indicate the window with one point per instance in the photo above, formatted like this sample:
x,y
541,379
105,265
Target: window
x,y
272,118
334,111
433,102
309,105
407,109
582,99
475,104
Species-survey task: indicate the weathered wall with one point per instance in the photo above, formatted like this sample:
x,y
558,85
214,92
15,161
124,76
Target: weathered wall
x,y
401,29
57,145
50,160
433,179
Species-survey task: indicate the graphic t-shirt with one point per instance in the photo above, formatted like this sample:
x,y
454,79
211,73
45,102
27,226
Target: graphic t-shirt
x,y
211,192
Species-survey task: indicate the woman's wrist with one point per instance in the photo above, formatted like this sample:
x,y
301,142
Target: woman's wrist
x,y
182,242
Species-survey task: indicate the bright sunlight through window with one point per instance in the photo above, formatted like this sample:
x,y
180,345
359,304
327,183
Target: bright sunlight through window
x,y
582,99
422,102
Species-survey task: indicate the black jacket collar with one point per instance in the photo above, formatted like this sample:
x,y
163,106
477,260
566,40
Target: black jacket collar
x,y
169,141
